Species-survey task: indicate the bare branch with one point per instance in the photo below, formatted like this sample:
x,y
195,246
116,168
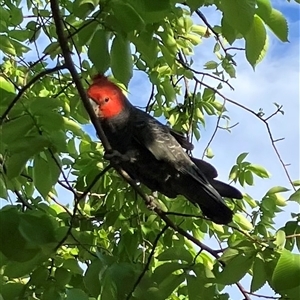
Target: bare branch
x,y
264,121
243,291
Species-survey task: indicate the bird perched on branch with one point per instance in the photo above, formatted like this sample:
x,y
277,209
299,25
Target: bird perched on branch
x,y
156,157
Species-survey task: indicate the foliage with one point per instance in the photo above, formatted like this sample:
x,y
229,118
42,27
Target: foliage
x,y
66,235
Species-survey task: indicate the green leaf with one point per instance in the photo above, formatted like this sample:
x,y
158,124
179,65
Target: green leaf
x,y
44,105
42,227
92,277
6,46
53,166
98,51
6,85
229,68
16,129
19,47
89,27
259,170
296,182
176,253
12,290
154,10
211,65
16,16
147,45
22,152
81,8
241,157
256,42
194,4
249,177
276,189
51,293
236,269
166,269
280,239
3,189
239,14
72,265
234,172
15,269
287,270
167,286
42,176
229,254
295,196
243,222
259,276
52,49
12,243
127,15
121,60
77,294
39,276
194,292
264,8
209,153
277,23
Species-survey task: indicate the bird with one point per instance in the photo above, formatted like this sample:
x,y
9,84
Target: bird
x,y
156,153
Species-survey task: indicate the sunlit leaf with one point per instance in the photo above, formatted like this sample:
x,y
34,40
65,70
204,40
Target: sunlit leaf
x,y
98,50
286,272
239,13
121,60
256,42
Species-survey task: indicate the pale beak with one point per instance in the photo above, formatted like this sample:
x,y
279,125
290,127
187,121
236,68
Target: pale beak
x,y
94,105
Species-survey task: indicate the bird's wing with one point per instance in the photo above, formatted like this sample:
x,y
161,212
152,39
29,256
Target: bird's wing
x,y
156,138
161,142
181,139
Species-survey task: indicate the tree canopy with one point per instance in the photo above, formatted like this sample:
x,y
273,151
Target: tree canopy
x,y
73,227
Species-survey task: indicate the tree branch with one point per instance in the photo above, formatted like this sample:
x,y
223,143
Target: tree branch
x,y
26,87
70,65
148,262
243,291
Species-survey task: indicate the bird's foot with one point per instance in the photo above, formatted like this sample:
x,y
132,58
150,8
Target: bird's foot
x,y
152,204
116,157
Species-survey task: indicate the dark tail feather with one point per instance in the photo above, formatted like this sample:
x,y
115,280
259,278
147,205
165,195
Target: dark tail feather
x,y
226,190
217,212
207,198
206,168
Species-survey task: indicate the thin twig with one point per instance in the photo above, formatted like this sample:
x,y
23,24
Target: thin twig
x,y
215,130
264,296
264,121
77,200
148,262
274,113
26,87
243,291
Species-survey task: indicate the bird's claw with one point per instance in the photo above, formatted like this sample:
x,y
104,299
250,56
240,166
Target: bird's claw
x,y
115,157
152,203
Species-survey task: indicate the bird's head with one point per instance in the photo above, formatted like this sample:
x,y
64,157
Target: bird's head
x,y
106,98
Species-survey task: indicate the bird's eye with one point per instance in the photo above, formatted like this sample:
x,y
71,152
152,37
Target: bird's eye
x,y
106,99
